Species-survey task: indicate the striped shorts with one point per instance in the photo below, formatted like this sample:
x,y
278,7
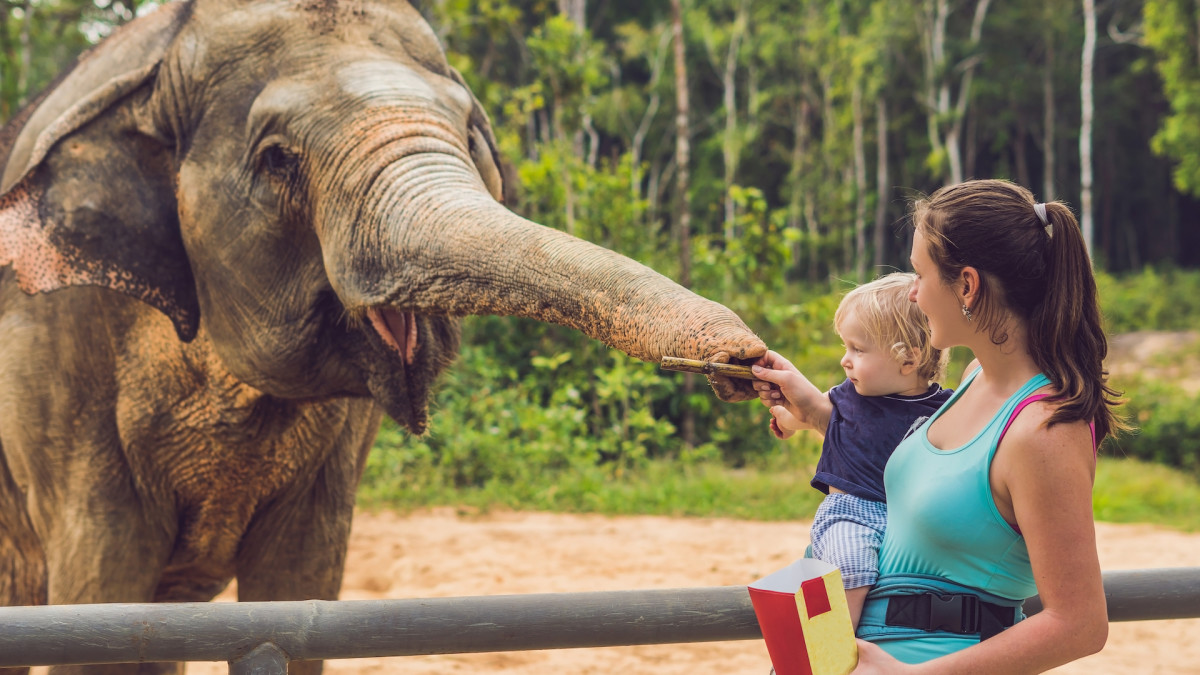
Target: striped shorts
x,y
847,533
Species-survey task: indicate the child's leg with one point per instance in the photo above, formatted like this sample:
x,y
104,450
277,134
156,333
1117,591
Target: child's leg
x,y
847,533
856,598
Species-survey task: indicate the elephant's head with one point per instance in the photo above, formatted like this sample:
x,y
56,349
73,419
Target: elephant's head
x,y
311,182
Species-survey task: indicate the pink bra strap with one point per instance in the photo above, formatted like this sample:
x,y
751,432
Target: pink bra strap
x,y
1038,397
1017,411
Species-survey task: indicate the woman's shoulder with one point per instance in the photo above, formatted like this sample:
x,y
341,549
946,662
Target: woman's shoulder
x,y
1030,430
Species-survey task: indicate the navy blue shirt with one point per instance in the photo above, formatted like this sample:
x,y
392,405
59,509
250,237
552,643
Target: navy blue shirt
x,y
863,432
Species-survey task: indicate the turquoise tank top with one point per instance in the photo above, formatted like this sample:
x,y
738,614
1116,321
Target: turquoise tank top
x,y
943,522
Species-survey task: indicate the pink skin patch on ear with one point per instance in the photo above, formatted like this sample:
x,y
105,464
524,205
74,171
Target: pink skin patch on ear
x,y
397,329
23,244
41,266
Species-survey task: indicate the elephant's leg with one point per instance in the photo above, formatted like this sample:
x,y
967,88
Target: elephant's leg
x,y
22,565
297,549
298,554
100,547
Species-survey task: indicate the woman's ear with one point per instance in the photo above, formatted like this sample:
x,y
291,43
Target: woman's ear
x,y
968,286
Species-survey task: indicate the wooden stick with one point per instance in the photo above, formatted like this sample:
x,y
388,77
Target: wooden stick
x,y
706,367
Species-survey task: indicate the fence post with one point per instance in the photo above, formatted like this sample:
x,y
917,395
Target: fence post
x,y
265,659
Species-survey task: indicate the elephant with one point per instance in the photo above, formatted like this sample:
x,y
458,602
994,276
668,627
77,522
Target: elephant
x,y
234,235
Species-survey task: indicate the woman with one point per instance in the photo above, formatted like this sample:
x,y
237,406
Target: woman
x,y
989,502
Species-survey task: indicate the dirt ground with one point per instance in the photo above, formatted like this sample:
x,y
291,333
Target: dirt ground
x,y
443,553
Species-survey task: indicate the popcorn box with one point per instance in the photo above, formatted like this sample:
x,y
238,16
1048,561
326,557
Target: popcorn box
x,y
805,621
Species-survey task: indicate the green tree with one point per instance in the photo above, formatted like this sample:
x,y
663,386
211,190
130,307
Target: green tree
x,y
1173,32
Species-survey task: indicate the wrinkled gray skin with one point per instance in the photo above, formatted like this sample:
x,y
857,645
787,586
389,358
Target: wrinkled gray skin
x,y
231,238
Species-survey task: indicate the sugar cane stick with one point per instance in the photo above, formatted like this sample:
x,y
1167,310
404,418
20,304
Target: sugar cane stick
x,y
706,367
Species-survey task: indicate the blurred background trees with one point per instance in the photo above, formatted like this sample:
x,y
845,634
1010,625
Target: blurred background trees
x,y
764,152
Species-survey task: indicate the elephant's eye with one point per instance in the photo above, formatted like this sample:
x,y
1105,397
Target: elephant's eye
x,y
279,162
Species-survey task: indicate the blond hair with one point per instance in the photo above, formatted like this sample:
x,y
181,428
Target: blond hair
x,y
894,323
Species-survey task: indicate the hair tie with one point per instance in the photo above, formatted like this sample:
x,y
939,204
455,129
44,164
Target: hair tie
x,y
1040,210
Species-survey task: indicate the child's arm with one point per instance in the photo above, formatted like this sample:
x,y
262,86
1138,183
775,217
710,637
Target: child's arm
x,y
782,385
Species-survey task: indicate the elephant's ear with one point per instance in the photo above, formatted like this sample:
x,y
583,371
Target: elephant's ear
x,y
88,190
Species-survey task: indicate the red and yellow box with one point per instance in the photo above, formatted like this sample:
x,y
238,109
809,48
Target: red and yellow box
x,y
805,621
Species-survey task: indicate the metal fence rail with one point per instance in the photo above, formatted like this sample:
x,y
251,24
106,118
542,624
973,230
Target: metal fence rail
x,y
261,637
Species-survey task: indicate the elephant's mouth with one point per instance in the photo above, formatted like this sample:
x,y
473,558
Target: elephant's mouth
x,y
407,351
398,330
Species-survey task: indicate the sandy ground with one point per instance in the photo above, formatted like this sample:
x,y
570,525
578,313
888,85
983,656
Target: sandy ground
x,y
442,553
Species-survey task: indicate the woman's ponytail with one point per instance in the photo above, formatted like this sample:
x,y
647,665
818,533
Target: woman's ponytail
x,y
1066,333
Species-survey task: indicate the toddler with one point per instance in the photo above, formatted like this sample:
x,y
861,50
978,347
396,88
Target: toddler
x,y
890,389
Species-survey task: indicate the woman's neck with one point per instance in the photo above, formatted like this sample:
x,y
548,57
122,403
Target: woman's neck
x,y
1008,365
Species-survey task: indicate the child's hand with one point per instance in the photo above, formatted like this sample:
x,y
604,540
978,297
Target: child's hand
x,y
779,433
783,423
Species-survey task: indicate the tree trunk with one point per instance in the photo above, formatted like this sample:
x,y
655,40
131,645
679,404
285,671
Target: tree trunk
x,y
800,211
9,56
1085,126
569,200
26,53
683,219
971,143
847,234
1020,153
639,136
1048,124
964,94
593,138
882,189
814,233
933,45
828,176
730,147
938,98
575,10
860,184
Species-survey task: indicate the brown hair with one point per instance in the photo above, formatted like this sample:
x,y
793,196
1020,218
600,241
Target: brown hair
x,y
1041,273
894,322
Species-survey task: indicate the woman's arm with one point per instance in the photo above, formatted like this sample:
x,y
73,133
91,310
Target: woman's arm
x,y
1043,479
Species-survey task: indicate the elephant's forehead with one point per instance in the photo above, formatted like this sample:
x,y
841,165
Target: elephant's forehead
x,y
380,82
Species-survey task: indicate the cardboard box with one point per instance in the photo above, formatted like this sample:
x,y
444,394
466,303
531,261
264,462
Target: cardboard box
x,y
805,621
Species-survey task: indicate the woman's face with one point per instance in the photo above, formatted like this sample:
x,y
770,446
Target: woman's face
x,y
937,300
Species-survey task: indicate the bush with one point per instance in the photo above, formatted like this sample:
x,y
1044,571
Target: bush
x,y
1167,427
1150,300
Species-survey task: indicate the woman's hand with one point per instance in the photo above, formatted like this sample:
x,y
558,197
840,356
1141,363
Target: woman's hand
x,y
874,661
780,384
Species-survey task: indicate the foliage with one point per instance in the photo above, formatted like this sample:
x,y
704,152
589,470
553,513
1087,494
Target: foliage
x,y
1150,300
1168,431
786,97
1173,32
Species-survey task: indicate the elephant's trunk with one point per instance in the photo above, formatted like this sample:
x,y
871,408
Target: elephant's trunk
x,y
441,245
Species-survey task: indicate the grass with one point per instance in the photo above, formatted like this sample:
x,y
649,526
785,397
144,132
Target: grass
x,y
775,488
1133,491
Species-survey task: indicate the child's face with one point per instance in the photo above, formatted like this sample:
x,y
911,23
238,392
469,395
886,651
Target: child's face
x,y
874,370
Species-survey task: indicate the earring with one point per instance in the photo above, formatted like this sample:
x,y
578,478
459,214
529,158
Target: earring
x,y
966,312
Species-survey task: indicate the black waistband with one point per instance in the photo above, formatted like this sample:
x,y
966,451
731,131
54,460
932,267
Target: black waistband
x,y
957,613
